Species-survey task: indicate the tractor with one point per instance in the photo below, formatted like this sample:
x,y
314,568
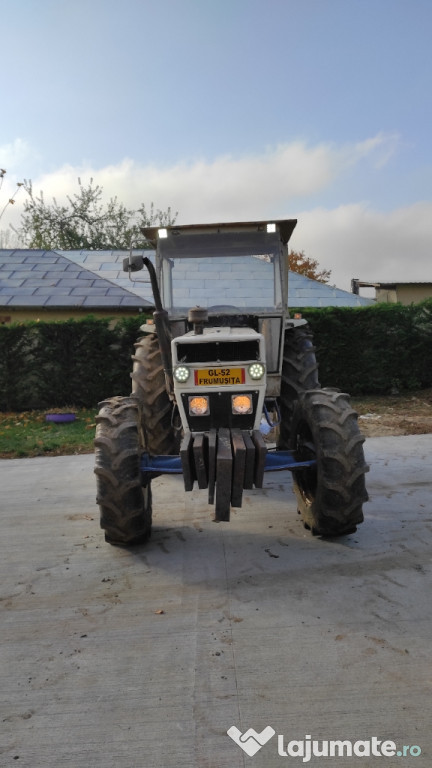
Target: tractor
x,y
225,388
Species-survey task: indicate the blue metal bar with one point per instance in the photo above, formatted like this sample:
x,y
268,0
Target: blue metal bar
x,y
276,460
166,465
171,465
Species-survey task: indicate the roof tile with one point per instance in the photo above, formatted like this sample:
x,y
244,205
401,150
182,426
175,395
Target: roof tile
x,y
107,301
42,266
50,257
18,267
64,301
10,282
83,291
47,291
27,301
10,290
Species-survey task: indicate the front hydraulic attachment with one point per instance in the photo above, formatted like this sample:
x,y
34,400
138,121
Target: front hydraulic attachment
x,y
225,462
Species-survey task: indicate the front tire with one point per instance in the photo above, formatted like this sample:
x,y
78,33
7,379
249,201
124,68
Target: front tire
x,y
299,374
329,495
125,505
157,410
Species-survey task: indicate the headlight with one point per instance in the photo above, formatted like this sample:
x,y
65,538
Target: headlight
x,y
256,371
199,406
181,374
241,404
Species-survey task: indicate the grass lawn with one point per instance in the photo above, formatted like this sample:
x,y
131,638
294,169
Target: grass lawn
x,y
29,434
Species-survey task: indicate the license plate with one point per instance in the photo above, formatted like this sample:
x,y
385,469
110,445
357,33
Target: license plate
x,y
219,377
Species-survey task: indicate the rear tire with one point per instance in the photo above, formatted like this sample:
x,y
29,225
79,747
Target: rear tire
x,y
329,495
157,410
299,374
125,505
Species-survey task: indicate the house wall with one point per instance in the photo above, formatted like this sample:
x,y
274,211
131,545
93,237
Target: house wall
x,y
409,294
405,293
386,296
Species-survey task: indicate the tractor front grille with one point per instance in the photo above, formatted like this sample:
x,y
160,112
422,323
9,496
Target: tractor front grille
x,y
218,351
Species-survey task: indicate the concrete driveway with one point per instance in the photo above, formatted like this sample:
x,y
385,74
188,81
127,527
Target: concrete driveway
x,y
145,658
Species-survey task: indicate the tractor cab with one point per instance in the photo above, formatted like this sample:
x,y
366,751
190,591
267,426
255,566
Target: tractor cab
x,y
236,272
237,269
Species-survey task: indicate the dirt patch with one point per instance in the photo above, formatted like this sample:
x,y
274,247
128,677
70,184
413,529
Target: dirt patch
x,y
401,414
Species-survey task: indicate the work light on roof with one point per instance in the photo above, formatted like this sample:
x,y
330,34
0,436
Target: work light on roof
x,y
162,233
271,227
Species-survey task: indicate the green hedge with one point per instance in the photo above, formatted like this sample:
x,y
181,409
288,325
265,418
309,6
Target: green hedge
x,y
366,350
50,365
373,350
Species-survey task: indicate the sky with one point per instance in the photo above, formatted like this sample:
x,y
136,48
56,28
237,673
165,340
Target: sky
x,y
229,110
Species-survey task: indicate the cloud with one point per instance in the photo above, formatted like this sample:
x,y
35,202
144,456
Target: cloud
x,y
352,240
374,246
226,188
378,149
14,155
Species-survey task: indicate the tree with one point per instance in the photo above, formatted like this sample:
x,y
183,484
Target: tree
x,y
5,234
84,221
8,239
299,262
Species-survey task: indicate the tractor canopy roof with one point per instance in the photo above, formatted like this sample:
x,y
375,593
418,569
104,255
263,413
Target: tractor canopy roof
x,y
284,227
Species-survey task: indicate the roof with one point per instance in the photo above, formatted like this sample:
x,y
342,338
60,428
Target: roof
x,y
95,280
302,291
391,283
38,278
109,266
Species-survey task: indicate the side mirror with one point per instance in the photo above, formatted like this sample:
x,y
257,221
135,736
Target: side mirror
x,y
133,264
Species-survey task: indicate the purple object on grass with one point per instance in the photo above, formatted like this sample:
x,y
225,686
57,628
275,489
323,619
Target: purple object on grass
x,y
60,418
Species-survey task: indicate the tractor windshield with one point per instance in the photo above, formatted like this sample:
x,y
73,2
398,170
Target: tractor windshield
x,y
237,271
